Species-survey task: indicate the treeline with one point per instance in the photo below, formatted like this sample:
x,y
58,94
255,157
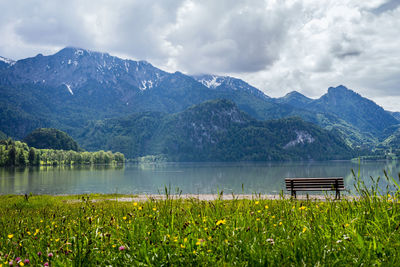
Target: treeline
x,y
16,153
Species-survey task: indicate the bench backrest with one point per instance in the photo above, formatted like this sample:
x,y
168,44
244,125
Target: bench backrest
x,y
310,184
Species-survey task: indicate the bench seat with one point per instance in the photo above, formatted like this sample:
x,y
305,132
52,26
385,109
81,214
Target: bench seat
x,y
315,184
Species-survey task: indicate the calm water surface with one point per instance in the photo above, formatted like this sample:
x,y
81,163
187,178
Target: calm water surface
x,y
190,178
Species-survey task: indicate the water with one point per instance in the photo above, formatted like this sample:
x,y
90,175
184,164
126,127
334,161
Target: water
x,y
190,178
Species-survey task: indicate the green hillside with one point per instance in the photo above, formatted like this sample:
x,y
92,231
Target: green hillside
x,y
214,131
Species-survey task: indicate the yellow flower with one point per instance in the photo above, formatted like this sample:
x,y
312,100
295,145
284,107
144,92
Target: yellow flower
x,y
304,229
302,208
194,251
29,233
209,250
257,202
266,207
10,236
185,240
140,208
274,224
221,222
135,204
182,246
114,246
21,263
257,219
205,228
280,223
346,225
259,211
124,218
273,217
58,239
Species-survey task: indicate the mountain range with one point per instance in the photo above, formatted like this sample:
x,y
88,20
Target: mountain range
x,y
76,89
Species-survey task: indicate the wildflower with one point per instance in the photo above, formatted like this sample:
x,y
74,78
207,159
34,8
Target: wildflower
x,y
257,219
46,264
221,222
209,250
259,211
266,207
154,209
194,251
257,202
121,248
11,263
273,217
185,240
134,204
10,236
182,246
26,261
274,224
17,259
346,225
302,208
124,218
29,233
304,229
114,246
21,263
39,253
50,255
140,208
280,223
271,241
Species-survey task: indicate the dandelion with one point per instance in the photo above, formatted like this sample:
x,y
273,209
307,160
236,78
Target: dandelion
x,y
10,236
114,245
257,219
257,202
134,204
302,208
21,263
121,248
346,225
154,209
124,218
221,222
209,251
185,240
259,211
266,207
182,246
304,229
280,223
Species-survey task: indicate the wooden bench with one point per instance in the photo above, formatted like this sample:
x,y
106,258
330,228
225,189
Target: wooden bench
x,y
315,184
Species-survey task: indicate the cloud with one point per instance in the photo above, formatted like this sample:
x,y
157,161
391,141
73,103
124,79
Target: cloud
x,y
277,46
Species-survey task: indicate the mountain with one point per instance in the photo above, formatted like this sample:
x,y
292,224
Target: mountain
x,y
226,83
75,88
360,112
214,131
295,99
396,115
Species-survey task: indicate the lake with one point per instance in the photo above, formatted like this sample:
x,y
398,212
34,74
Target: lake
x,y
190,178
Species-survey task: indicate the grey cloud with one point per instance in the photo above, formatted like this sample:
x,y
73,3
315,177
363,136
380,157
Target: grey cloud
x,y
387,6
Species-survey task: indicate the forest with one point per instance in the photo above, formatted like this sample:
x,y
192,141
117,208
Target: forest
x,y
17,153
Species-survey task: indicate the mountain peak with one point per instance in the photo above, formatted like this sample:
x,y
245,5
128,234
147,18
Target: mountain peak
x,y
341,89
7,61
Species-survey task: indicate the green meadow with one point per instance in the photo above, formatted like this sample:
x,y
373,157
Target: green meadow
x,y
90,231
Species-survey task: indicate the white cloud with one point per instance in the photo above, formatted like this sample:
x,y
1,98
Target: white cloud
x,y
277,46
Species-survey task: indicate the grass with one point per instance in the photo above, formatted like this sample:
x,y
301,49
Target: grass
x,y
56,231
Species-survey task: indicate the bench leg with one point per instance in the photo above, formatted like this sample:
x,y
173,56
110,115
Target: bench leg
x,y
337,194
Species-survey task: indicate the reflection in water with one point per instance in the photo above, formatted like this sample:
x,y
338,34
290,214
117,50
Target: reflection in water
x,y
194,178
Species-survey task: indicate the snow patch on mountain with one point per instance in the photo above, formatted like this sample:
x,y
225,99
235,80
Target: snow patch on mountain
x,y
7,60
211,81
69,88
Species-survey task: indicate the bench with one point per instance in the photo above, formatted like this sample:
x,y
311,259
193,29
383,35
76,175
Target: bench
x,y
315,184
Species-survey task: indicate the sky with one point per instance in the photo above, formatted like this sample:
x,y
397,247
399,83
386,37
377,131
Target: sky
x,y
277,46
